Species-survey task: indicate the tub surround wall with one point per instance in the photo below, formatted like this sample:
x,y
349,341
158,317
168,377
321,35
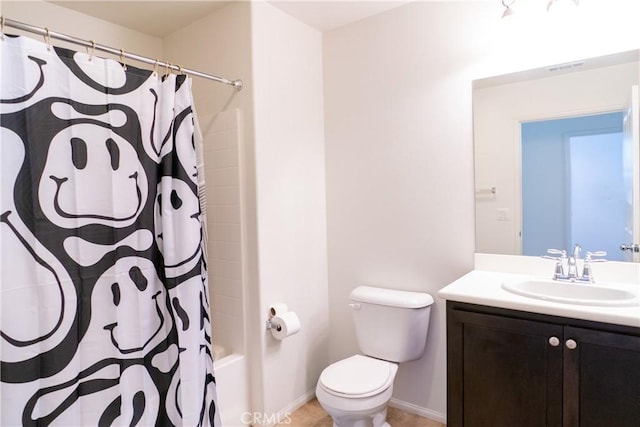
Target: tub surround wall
x,y
399,148
224,237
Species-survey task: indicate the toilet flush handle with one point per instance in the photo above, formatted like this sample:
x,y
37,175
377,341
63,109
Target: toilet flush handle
x,y
355,306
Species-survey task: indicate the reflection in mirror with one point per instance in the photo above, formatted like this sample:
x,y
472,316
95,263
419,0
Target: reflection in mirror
x,y
576,163
557,158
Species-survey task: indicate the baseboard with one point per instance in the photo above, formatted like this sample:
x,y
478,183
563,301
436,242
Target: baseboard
x,y
309,395
285,412
418,410
282,417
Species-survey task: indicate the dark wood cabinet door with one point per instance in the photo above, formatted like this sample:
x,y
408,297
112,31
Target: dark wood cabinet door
x,y
601,379
503,372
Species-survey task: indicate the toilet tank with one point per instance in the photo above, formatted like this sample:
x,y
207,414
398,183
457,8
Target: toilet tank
x,y
390,324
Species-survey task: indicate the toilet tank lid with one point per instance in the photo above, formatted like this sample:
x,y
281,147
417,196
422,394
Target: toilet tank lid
x,y
391,297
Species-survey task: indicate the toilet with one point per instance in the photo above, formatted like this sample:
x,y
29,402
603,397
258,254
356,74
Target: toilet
x,y
391,328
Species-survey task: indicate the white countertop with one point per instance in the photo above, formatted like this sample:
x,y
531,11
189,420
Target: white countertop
x,y
485,288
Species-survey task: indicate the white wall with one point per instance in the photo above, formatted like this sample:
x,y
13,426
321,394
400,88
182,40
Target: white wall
x,y
399,151
399,173
290,183
219,44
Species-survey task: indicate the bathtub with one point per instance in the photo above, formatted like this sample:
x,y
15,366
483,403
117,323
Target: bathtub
x,y
232,387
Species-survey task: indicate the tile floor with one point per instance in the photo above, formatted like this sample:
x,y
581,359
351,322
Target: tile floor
x,y
312,415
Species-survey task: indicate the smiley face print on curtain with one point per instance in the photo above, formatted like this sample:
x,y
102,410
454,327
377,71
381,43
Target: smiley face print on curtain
x,y
105,312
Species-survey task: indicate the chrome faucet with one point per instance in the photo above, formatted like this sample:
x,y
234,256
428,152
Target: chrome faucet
x,y
571,275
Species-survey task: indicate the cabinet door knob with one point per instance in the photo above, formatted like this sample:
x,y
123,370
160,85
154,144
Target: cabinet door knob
x,y
554,341
571,344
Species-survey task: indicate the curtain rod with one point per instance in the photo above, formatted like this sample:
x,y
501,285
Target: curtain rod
x,y
91,44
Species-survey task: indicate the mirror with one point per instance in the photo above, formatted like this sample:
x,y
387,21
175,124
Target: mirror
x,y
557,157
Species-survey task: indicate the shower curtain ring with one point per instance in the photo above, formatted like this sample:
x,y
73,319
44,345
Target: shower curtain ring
x,y
2,27
122,59
155,68
167,68
93,50
47,38
179,69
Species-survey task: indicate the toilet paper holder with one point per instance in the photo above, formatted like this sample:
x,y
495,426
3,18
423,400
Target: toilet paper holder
x,y
283,324
270,326
276,309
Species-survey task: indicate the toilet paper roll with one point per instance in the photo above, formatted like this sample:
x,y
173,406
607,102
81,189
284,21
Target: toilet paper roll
x,y
284,325
277,309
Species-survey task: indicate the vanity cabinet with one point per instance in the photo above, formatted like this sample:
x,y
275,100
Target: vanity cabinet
x,y
509,368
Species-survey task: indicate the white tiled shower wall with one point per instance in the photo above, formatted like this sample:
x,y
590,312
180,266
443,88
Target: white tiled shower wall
x,y
222,168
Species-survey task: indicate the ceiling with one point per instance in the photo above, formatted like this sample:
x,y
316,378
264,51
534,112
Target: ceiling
x,y
156,18
159,18
326,15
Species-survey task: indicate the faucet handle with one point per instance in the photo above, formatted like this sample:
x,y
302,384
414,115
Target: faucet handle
x,y
589,256
560,254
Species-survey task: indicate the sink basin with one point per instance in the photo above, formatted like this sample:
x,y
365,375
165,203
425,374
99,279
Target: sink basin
x,y
573,293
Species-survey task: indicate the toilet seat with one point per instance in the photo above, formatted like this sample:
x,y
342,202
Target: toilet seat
x,y
357,377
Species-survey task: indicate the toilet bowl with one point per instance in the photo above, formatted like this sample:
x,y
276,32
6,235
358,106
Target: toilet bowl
x,y
391,327
356,391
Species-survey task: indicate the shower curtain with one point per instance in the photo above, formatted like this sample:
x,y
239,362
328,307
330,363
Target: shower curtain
x,y
105,311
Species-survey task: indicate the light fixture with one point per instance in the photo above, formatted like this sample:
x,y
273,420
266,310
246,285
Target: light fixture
x,y
508,9
552,2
